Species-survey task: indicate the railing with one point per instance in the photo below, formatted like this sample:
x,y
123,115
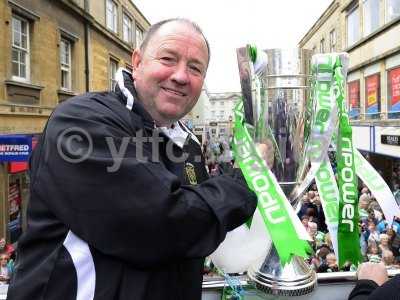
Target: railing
x,y
331,286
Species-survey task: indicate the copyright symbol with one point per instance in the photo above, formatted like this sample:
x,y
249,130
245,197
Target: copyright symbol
x,y
74,145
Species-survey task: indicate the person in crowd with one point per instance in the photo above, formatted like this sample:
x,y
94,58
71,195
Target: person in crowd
x,y
363,206
132,214
5,268
305,220
318,261
312,230
332,262
394,241
320,216
306,205
388,259
384,242
328,241
373,234
373,253
365,190
5,247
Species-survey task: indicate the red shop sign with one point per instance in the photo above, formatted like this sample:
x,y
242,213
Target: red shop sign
x,y
354,93
372,85
394,77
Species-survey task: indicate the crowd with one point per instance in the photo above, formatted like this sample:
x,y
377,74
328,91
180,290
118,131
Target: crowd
x,y
378,241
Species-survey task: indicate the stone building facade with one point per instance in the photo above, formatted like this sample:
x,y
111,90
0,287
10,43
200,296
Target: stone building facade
x,y
52,50
369,31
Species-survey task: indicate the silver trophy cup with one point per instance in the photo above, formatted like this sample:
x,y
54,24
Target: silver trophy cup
x,y
284,82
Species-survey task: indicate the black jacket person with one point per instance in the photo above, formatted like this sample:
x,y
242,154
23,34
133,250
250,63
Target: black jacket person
x,y
111,217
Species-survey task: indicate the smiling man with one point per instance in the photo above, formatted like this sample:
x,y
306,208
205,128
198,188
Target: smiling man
x,y
169,71
139,229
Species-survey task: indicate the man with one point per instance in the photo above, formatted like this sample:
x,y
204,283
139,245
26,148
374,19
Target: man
x,y
117,210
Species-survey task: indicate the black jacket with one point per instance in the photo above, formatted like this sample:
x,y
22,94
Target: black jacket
x,y
369,290
139,231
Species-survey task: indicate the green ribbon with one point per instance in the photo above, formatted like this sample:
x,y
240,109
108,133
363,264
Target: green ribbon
x,y
348,232
272,203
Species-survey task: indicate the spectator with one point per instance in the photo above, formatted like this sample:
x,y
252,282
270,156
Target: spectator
x,y
320,215
373,253
304,220
319,260
388,258
384,242
5,269
7,248
394,239
332,262
365,191
363,206
373,234
328,241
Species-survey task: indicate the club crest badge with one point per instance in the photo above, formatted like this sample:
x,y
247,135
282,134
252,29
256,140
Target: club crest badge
x,y
190,173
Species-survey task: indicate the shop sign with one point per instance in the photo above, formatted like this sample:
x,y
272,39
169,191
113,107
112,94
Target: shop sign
x,y
14,199
393,140
354,98
394,79
372,89
15,148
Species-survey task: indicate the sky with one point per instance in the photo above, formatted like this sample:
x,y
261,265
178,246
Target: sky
x,y
232,24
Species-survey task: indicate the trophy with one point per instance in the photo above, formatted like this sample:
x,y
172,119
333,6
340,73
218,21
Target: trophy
x,y
280,109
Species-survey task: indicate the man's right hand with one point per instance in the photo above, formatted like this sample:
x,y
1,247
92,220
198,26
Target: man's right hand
x,y
373,271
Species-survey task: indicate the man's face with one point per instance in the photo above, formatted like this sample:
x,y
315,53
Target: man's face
x,y
169,74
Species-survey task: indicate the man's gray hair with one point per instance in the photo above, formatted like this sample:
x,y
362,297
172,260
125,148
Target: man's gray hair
x,y
155,27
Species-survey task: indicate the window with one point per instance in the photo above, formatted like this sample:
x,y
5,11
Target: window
x,y
111,15
371,16
20,49
112,71
221,103
129,68
394,93
213,114
392,9
332,41
372,96
212,103
354,99
127,29
139,36
353,27
322,46
65,64
314,50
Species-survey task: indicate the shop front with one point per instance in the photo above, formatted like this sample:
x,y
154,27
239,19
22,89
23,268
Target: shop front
x,y
14,183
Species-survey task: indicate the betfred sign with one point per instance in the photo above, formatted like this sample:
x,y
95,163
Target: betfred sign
x,y
15,148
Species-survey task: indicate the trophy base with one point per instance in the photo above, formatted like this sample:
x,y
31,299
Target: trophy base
x,y
294,279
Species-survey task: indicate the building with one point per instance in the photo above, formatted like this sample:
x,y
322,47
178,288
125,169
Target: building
x,y
220,115
369,31
212,116
52,50
196,120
